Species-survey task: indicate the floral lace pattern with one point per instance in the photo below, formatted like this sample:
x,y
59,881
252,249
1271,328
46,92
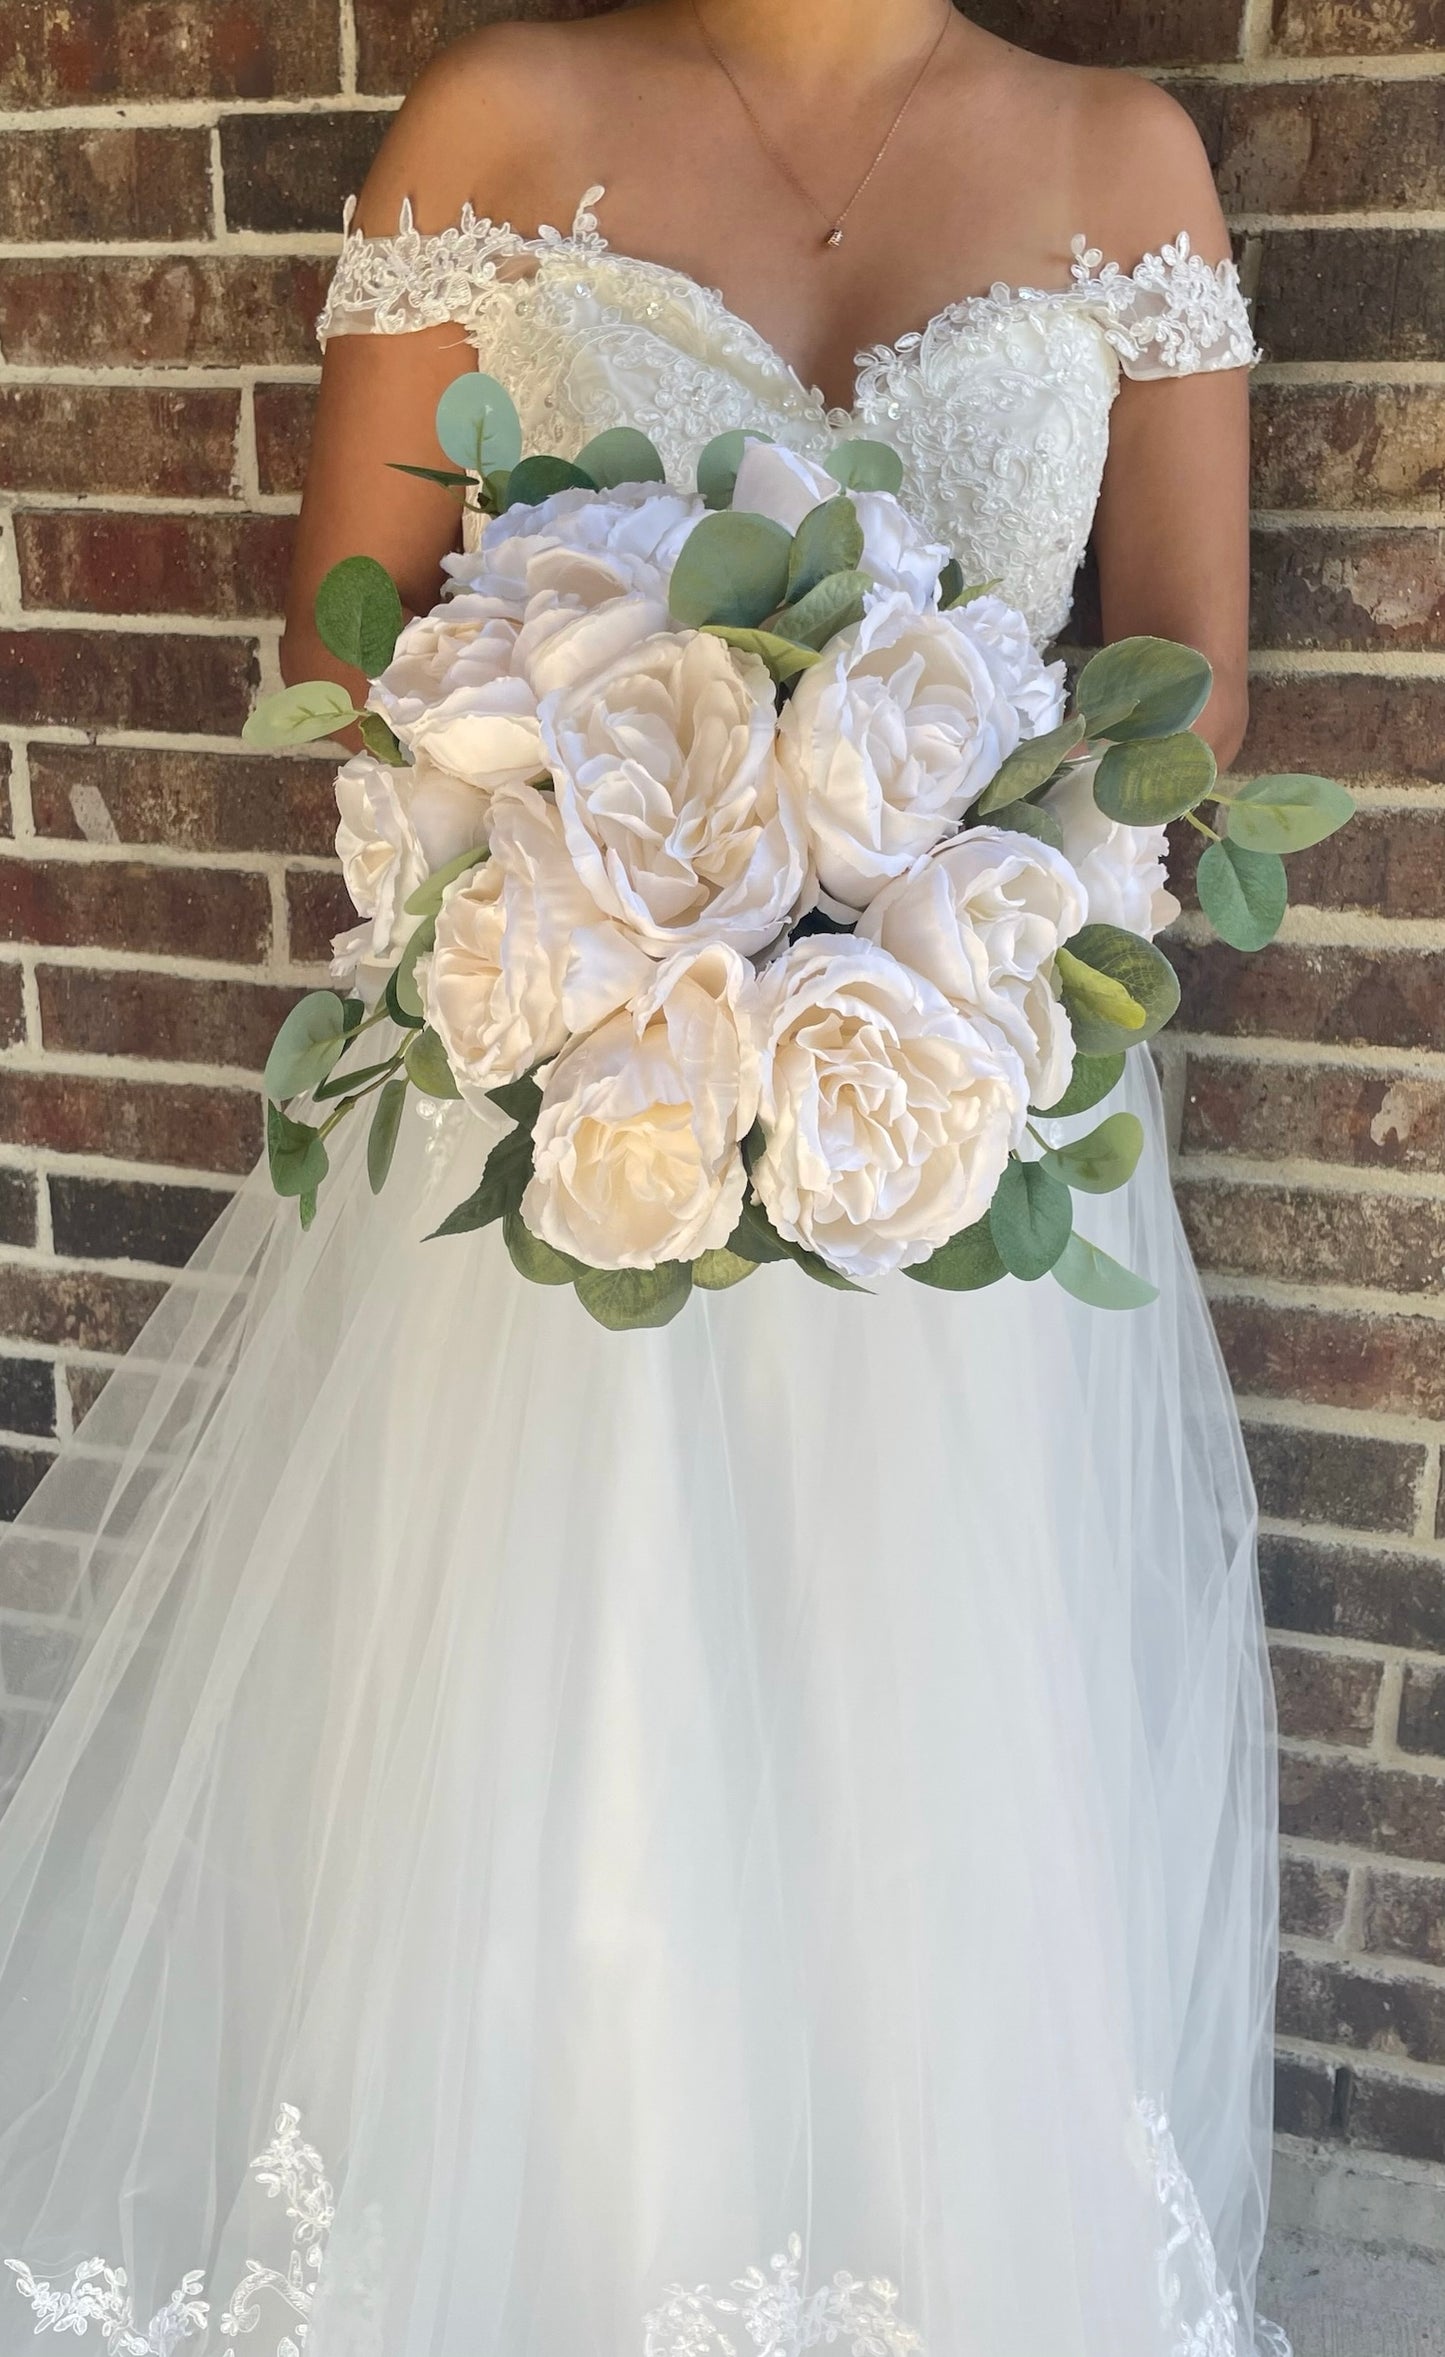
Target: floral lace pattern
x,y
999,407
780,2317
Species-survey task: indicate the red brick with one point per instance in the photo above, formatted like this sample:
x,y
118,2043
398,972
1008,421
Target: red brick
x,y
1333,586
122,904
215,1129
1312,1897
284,418
1324,1113
127,438
131,1219
1362,1806
1347,1478
1325,1697
1346,145
12,1006
1374,1596
1354,28
1405,1915
396,38
81,186
1351,294
126,680
209,310
96,49
1395,1364
1340,997
1389,861
223,566
284,173
316,907
1422,1710
192,801
17,1207
1312,1237
27,1398
1343,446
1356,728
1335,2004
171,1017
80,1307
21,1471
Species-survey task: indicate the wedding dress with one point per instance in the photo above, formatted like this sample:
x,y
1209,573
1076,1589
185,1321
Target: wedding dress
x,y
535,1842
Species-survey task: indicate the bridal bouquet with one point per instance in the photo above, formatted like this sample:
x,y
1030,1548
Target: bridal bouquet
x,y
750,861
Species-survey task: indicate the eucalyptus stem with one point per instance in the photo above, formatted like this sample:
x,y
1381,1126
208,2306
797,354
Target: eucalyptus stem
x,y
345,1106
1201,826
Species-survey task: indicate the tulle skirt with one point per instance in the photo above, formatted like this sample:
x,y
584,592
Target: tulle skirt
x,y
533,1842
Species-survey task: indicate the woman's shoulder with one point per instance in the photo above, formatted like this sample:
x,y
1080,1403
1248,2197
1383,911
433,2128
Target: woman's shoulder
x,y
1142,170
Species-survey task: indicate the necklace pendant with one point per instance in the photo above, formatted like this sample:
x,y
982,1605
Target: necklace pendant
x,y
834,236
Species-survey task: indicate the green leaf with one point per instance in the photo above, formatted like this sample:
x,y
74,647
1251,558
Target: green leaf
x,y
755,1238
477,424
1026,818
1028,767
431,474
306,1206
380,738
503,1183
1031,1217
1104,1018
625,1298
862,465
536,479
308,1043
834,604
533,1258
818,1269
345,1084
965,1264
621,455
1107,1158
1244,894
426,901
950,584
1286,813
382,1136
358,614
299,715
1092,1276
296,1154
520,1100
783,656
1159,778
733,568
402,996
718,462
1092,1080
1143,687
828,540
716,1271
427,1067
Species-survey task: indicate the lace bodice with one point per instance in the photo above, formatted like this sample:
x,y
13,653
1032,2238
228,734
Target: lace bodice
x,y
999,407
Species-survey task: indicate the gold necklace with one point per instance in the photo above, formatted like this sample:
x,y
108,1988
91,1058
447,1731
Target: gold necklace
x,y
832,222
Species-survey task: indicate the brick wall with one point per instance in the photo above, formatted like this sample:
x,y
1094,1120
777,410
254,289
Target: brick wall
x,y
170,179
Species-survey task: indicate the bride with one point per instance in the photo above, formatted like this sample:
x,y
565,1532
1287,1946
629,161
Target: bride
x,y
756,1834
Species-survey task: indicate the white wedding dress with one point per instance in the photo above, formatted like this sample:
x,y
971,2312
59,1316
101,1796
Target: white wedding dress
x,y
757,1835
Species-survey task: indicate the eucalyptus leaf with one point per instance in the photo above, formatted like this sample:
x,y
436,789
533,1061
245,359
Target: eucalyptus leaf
x,y
732,567
1100,1009
427,1067
358,614
1026,818
1139,971
427,899
1031,1217
403,996
1093,1078
1143,687
306,1206
299,715
534,479
384,1131
828,540
714,1272
1286,813
1028,767
861,465
1092,1276
309,1042
380,738
503,1183
1149,782
477,424
784,657
621,455
296,1154
520,1100
965,1264
718,462
834,604
346,1084
533,1258
1107,1158
1243,893
622,1299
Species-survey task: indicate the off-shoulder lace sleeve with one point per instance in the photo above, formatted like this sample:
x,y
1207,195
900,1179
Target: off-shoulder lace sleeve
x,y
1174,315
388,286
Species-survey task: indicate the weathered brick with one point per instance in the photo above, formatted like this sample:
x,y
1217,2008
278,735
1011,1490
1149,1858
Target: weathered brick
x,y
1335,2004
20,1471
190,800
1340,997
284,417
1377,1597
1354,1802
1334,1359
1304,2094
316,907
1312,1897
27,1395
130,1219
1398,2115
1324,1697
80,1307
12,1006
1351,294
1405,1915
1389,861
1312,1237
1347,1478
76,187
1346,145
1422,1710
396,38
97,49
1354,28
171,1017
1320,1112
119,438
84,1385
125,679
17,1207
124,904
216,1129
7,813
207,310
1344,446
294,172
219,566
1348,727
1348,586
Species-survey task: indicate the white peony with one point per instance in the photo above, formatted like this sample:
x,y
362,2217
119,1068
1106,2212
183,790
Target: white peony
x,y
1122,869
887,741
451,691
583,546
981,918
670,791
635,1152
1035,689
398,826
523,958
888,1115
783,484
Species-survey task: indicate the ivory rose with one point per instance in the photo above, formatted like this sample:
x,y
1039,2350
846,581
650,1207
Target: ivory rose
x,y
1122,869
1035,689
583,546
397,827
981,918
773,481
888,1115
636,1156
